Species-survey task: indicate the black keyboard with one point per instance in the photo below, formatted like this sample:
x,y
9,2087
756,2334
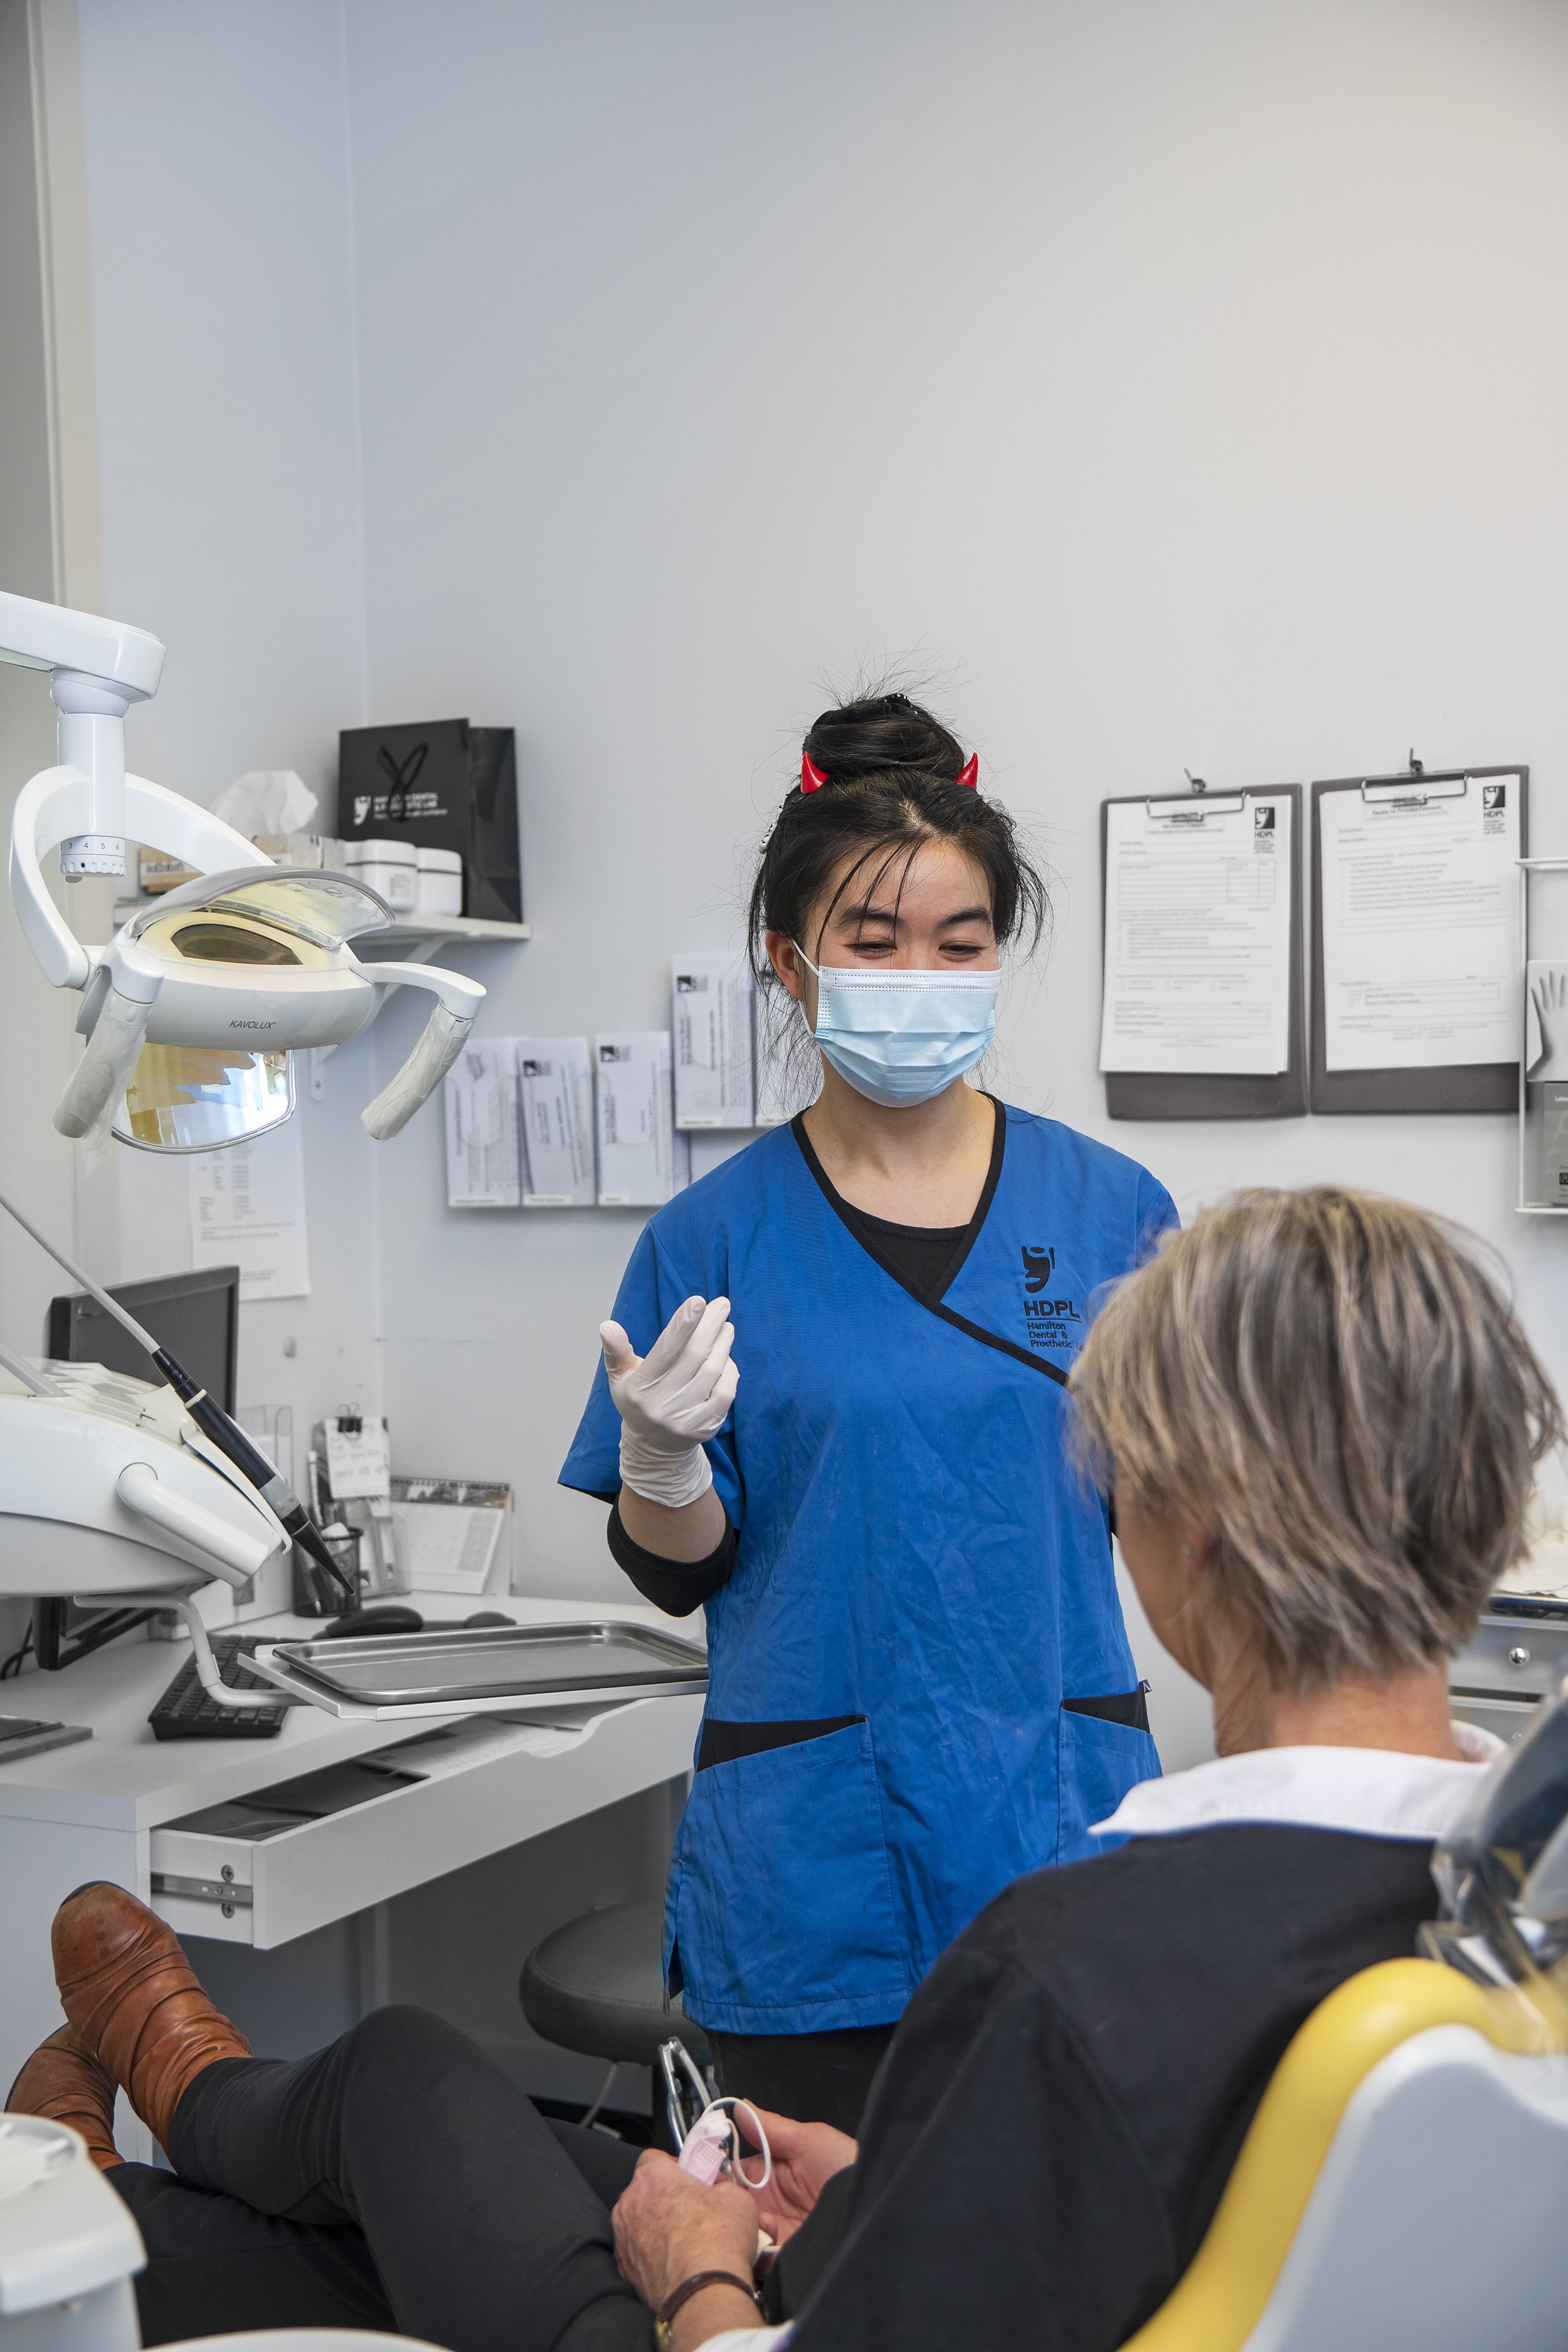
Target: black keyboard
x,y
186,1711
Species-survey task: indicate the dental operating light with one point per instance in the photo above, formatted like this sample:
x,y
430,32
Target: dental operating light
x,y
191,1009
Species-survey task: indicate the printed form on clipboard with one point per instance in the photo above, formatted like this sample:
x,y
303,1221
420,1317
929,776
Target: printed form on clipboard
x,y
1197,935
1420,912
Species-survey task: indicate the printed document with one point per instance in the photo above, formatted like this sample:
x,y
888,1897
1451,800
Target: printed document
x,y
1198,938
639,1166
1421,946
711,1023
480,1098
555,1091
248,1209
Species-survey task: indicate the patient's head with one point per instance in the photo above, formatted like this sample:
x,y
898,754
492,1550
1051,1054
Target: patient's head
x,y
1324,1398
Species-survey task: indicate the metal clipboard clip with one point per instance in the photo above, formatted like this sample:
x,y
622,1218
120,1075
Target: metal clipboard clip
x,y
1416,787
1193,806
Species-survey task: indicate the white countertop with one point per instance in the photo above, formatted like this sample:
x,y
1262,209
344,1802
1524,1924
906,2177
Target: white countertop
x,y
124,1778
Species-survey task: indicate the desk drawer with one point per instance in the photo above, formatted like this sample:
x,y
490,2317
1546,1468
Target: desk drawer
x,y
1511,1719
492,1785
1512,1656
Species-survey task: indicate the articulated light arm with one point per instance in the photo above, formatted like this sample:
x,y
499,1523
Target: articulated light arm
x,y
97,668
56,805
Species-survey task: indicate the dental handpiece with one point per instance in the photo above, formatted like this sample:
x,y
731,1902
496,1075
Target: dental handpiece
x,y
209,1416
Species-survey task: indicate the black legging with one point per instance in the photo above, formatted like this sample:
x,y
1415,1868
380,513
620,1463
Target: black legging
x,y
395,2181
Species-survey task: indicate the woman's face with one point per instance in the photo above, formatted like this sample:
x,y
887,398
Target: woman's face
x,y
930,914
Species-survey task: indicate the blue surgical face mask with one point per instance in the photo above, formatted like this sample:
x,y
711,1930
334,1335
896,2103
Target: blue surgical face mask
x,y
900,1037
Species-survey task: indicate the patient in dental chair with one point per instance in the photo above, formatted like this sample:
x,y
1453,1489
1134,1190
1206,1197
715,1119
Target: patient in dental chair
x,y
1320,1421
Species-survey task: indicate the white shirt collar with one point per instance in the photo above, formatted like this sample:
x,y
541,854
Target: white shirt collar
x,y
1368,1790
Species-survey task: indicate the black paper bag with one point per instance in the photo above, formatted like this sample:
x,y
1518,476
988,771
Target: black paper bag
x,y
440,785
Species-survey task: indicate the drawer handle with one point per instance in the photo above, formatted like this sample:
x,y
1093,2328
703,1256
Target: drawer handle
x,y
1519,1655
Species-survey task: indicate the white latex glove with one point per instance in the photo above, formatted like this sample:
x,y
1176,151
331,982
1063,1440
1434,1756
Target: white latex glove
x,y
671,1399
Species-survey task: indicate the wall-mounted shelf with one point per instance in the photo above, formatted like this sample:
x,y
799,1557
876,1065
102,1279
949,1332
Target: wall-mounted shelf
x,y
426,935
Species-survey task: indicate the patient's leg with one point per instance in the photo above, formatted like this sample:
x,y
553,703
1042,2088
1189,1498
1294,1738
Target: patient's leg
x,y
214,2263
483,2233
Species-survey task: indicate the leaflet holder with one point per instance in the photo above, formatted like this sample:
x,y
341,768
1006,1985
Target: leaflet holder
x,y
1446,1086
1159,1094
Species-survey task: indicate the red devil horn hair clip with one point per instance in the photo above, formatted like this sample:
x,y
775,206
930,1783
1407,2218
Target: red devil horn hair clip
x,y
969,775
811,778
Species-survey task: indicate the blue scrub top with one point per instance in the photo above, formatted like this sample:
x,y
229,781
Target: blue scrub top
x,y
923,1585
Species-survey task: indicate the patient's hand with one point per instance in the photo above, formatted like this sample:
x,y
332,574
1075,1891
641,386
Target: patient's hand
x,y
805,2156
668,2227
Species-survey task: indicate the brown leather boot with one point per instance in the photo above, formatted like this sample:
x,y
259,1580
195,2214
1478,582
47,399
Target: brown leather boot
x,y
133,1996
64,2081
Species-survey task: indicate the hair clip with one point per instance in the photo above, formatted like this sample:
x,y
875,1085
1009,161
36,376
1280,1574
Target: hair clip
x,y
811,778
969,775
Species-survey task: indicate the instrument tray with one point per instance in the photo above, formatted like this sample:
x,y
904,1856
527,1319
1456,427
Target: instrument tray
x,y
488,1669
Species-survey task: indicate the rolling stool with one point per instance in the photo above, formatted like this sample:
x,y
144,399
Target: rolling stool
x,y
596,1986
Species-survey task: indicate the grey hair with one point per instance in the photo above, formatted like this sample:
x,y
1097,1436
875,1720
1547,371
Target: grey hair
x,y
1335,1387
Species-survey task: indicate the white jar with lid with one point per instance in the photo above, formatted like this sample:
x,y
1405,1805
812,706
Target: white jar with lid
x,y
387,867
440,882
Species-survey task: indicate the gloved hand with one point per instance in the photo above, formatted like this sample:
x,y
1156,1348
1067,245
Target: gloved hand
x,y
671,1399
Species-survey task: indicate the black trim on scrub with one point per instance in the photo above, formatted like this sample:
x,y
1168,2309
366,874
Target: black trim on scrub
x,y
1131,1707
726,1743
849,1217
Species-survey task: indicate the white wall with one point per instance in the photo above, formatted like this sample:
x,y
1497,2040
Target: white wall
x,y
1177,384
223,297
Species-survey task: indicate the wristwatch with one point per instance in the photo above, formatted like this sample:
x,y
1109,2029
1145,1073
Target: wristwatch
x,y
680,2295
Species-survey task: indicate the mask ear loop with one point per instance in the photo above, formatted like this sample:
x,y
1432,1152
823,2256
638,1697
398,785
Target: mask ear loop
x,y
717,2106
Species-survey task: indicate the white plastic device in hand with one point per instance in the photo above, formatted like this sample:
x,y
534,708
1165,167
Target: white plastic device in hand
x,y
671,1400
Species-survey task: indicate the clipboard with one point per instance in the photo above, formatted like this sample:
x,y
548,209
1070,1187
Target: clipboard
x,y
1162,1094
1448,1087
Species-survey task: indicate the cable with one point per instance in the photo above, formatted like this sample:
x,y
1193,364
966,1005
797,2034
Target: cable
x,y
209,1416
17,1659
142,1337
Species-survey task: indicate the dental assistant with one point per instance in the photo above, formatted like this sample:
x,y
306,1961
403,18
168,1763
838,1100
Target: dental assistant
x,y
831,1412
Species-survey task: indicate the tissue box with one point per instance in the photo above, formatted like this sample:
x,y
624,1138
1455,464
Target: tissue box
x,y
442,785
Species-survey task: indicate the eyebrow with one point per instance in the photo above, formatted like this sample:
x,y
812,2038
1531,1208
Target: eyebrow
x,y
888,915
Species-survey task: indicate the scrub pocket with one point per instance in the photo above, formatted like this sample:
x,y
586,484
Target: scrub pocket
x,y
1099,1758
780,1902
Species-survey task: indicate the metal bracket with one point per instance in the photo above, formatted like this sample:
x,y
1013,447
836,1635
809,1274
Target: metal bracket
x,y
227,1890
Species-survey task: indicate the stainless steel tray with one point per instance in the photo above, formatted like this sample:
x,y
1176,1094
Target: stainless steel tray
x,y
488,1669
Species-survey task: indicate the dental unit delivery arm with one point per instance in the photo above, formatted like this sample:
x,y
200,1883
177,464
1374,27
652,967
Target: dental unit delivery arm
x,y
215,1424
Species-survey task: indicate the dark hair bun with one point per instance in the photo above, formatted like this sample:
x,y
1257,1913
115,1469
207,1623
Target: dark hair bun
x,y
869,739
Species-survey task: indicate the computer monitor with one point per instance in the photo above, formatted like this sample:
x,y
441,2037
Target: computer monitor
x,y
197,1317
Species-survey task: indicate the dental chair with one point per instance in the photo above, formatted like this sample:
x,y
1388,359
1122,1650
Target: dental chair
x,y
1408,2105
1422,2101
